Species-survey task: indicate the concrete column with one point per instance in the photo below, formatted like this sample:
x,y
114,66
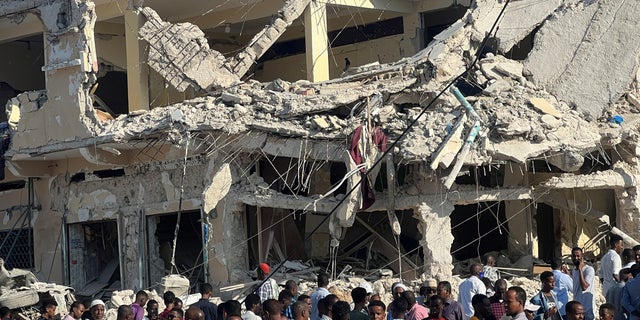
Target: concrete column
x,y
130,249
228,258
137,69
518,214
224,215
413,38
69,70
628,217
316,41
435,226
76,256
156,264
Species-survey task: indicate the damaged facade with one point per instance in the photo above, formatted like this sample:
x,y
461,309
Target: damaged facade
x,y
137,117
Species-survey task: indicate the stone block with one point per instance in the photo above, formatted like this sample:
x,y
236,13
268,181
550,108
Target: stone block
x,y
235,98
321,123
545,107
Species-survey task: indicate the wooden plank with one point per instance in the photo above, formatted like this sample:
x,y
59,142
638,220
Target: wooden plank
x,y
391,252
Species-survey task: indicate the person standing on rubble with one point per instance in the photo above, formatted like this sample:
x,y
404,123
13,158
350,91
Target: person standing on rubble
x,y
209,308
611,264
452,309
138,306
469,288
583,288
269,288
489,270
320,292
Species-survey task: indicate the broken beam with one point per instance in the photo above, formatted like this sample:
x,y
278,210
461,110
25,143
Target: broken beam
x,y
391,252
457,197
400,6
610,179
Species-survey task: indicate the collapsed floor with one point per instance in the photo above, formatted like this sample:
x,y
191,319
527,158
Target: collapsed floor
x,y
551,162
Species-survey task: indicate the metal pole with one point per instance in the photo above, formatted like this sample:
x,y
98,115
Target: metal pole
x,y
64,240
204,223
30,230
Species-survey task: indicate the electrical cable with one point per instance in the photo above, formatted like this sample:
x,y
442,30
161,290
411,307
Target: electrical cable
x,y
402,135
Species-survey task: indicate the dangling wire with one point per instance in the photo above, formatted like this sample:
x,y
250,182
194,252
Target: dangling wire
x,y
177,229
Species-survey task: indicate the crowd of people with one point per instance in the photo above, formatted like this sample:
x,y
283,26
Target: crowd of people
x,y
566,293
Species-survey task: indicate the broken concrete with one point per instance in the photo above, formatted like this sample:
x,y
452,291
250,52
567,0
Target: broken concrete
x,y
181,54
528,113
581,35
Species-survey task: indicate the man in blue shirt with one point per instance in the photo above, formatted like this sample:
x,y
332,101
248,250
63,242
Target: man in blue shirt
x,y
562,287
209,308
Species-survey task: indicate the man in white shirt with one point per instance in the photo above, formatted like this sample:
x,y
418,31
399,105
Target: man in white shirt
x,y
319,293
253,306
611,264
469,288
583,286
628,258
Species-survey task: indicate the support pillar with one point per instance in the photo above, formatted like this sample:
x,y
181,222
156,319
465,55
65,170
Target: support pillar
x,y
628,217
521,229
316,41
227,246
226,241
137,68
129,224
435,226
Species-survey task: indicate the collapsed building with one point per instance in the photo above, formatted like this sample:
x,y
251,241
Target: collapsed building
x,y
138,129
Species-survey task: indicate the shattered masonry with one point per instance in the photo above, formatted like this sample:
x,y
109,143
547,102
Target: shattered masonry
x,y
236,155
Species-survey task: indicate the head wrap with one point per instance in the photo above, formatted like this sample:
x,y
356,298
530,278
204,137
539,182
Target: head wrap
x,y
97,302
264,267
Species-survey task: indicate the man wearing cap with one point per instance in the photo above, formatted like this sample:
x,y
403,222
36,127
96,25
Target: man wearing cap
x,y
396,291
96,311
514,302
427,290
269,288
